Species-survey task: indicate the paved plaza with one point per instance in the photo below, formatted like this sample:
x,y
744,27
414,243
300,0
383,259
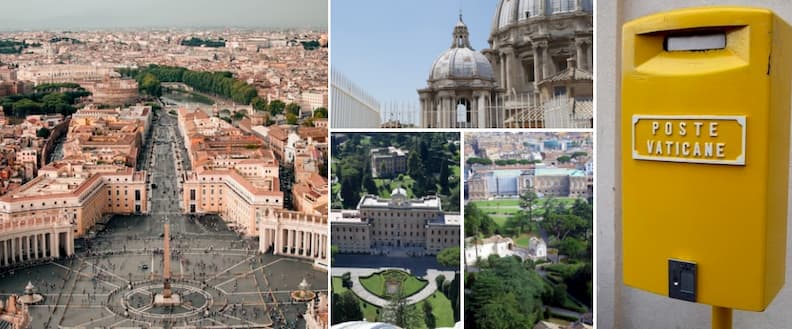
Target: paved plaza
x,y
222,280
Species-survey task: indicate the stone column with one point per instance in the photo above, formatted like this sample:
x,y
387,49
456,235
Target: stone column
x,y
49,242
508,72
317,246
580,57
546,69
578,5
70,241
482,112
537,65
424,113
324,246
35,246
589,55
451,113
56,245
276,248
303,245
290,242
14,250
5,252
503,71
24,241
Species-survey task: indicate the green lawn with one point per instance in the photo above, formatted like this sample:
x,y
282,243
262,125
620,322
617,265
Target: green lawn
x,y
375,283
441,308
523,240
369,310
497,203
413,285
386,185
338,288
499,219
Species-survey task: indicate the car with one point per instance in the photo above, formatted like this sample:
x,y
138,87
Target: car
x,y
144,267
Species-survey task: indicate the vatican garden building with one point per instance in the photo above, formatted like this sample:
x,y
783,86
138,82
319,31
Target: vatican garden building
x,y
536,73
398,224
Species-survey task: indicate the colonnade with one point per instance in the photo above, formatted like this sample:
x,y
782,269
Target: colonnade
x,y
30,246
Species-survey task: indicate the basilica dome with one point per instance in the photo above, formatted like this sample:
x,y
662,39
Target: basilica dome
x,y
461,61
509,12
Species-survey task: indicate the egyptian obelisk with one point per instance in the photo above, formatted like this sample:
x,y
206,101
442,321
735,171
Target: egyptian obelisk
x,y
166,273
167,297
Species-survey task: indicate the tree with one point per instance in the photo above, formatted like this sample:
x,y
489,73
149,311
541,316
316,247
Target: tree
x,y
56,103
440,281
572,247
276,107
350,185
150,85
259,104
429,317
563,159
528,201
291,119
477,222
449,257
444,173
370,185
399,313
502,313
504,295
293,108
346,308
562,225
333,252
320,113
43,132
416,170
25,106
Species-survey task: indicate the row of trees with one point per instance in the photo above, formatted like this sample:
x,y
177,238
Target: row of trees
x,y
509,162
222,84
198,42
42,103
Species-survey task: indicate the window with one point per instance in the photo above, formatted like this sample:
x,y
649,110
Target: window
x,y
559,91
563,6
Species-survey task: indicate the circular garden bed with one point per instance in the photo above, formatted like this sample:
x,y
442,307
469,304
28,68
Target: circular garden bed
x,y
393,283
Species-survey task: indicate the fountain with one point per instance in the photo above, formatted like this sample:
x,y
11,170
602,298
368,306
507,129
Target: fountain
x,y
302,294
30,297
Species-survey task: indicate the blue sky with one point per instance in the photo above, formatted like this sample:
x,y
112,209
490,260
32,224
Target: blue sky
x,y
388,47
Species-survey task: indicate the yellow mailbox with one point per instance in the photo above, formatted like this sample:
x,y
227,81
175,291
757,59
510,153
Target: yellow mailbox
x,y
705,154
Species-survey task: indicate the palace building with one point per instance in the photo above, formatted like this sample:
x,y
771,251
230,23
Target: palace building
x,y
41,219
378,225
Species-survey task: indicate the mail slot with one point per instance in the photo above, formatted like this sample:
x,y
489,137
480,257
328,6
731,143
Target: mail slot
x,y
705,154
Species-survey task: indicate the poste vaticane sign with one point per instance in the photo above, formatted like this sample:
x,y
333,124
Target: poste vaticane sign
x,y
709,139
